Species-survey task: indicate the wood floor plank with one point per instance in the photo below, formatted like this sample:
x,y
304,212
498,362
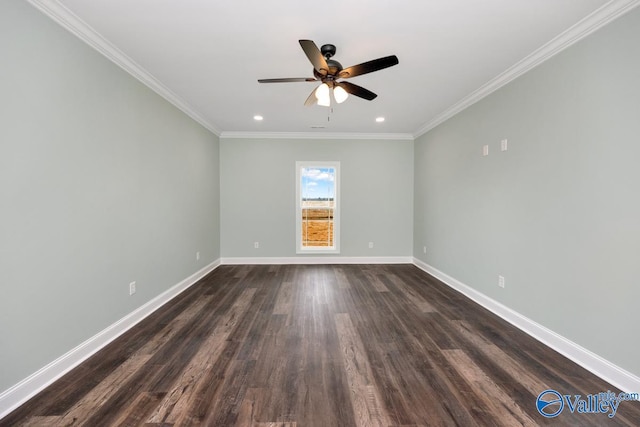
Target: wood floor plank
x,y
210,387
342,278
375,281
183,391
514,369
500,404
318,345
226,408
367,404
80,412
139,410
248,407
414,297
42,421
284,303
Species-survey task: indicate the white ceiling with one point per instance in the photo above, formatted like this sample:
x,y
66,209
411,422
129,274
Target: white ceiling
x,y
207,55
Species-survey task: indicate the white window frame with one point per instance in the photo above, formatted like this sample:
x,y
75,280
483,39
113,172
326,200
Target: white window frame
x,y
335,249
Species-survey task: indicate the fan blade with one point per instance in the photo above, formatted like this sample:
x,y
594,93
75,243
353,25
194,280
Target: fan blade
x,y
315,56
357,90
288,80
311,100
369,67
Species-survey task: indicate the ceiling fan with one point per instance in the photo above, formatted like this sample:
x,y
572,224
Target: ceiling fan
x,y
328,71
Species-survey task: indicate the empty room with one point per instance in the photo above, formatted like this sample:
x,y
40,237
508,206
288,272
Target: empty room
x,y
319,214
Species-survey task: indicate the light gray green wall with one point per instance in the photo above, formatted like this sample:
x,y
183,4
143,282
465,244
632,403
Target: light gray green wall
x,y
102,182
257,178
558,214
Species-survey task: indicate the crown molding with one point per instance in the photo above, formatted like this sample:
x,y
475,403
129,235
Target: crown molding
x,y
76,26
592,22
316,135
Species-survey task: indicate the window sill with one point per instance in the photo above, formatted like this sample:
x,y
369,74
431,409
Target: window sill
x,y
316,251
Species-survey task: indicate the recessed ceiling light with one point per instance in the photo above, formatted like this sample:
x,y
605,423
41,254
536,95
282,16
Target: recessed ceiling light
x,y
379,119
258,118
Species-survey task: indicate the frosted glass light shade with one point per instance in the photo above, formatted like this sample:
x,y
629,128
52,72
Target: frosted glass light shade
x,y
322,94
340,94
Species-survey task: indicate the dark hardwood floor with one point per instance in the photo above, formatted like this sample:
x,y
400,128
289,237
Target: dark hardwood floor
x,y
320,345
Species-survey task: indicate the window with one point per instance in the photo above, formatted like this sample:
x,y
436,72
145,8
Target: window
x,y
317,207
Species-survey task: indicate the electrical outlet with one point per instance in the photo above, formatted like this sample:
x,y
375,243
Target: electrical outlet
x,y
504,145
485,150
198,256
256,245
132,288
424,249
370,245
501,281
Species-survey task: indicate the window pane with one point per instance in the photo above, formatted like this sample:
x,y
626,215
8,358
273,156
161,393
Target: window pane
x,y
317,207
317,225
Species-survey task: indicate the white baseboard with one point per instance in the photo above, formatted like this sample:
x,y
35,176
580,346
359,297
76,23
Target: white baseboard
x,y
624,380
317,260
15,396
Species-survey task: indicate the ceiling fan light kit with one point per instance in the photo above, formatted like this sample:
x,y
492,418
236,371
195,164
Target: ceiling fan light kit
x,y
322,95
328,71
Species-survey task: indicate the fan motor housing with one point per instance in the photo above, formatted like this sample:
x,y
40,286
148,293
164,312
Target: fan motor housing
x,y
328,50
334,68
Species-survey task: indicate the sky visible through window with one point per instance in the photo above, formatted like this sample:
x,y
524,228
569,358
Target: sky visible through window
x,y
318,183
